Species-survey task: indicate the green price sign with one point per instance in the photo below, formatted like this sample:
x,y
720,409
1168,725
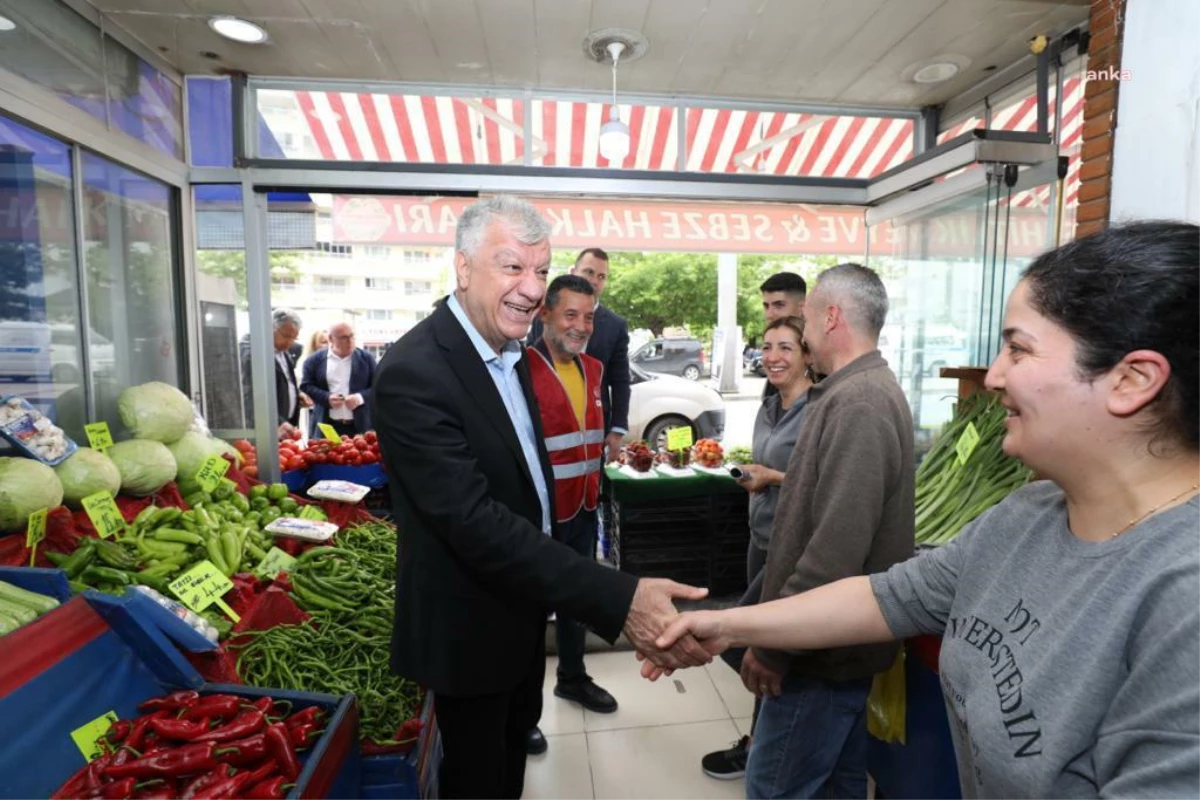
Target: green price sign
x,y
276,561
36,532
967,443
103,512
211,472
679,438
202,586
86,736
99,436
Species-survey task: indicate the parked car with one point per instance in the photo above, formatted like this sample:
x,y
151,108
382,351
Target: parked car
x,y
660,402
944,346
683,357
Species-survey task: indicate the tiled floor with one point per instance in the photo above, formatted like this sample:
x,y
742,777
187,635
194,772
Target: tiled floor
x,y
651,747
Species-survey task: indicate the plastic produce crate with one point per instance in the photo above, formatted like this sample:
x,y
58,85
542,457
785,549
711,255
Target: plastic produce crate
x,y
78,662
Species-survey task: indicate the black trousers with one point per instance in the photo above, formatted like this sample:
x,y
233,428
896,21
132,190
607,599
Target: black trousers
x,y
483,737
344,427
579,534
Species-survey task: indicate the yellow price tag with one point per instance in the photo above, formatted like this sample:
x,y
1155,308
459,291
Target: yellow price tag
x,y
276,561
202,586
103,512
99,436
211,471
85,736
329,433
679,438
36,532
967,443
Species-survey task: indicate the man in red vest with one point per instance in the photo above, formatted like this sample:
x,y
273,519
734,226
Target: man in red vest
x,y
567,384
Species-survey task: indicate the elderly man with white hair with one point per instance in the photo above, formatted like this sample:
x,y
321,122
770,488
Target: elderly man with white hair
x,y
339,378
288,398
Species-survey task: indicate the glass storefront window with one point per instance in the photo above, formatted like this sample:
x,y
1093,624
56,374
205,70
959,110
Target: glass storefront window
x,y
41,345
143,102
131,282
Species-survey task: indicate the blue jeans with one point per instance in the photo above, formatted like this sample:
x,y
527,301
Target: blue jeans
x,y
811,741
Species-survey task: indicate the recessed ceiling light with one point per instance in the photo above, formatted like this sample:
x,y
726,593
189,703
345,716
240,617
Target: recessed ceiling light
x,y
239,30
7,24
936,72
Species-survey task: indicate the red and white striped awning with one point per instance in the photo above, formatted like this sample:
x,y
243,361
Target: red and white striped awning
x,y
352,126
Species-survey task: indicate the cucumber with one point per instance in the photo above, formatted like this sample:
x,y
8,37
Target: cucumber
x,y
20,613
38,602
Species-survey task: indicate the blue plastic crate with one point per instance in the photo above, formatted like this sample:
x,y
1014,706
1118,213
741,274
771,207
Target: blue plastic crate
x,y
50,582
296,480
365,475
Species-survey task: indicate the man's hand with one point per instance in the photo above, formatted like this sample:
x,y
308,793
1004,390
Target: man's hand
x,y
705,626
305,400
612,446
761,680
286,431
336,401
353,401
651,612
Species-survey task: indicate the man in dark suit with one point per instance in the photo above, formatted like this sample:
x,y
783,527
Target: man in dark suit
x,y
338,379
480,569
286,325
609,345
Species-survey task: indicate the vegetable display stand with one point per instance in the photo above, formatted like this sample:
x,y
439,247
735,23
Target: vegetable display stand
x,y
693,530
364,475
75,665
295,479
925,765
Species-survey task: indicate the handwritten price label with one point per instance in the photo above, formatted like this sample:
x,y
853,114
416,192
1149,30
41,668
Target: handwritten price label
x,y
103,512
36,532
967,443
202,586
276,561
679,438
85,736
99,436
211,472
329,433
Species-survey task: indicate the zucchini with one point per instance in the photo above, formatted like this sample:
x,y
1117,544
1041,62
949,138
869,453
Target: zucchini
x,y
38,602
21,614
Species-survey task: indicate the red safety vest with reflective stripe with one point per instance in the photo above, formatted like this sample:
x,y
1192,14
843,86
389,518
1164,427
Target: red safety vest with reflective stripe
x,y
576,455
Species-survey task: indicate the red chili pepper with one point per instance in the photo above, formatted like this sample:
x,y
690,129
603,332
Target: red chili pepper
x,y
310,714
227,788
141,729
172,702
243,752
74,785
164,792
219,773
270,789
185,760
124,755
218,706
97,771
181,730
279,744
305,736
244,724
262,772
119,730
120,790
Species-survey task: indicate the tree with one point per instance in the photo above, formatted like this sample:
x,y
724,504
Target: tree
x,y
232,264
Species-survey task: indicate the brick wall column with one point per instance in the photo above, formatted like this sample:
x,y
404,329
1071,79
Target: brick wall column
x,y
1100,116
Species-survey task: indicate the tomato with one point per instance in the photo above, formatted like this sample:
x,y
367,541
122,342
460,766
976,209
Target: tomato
x,y
370,436
362,446
295,462
251,471
338,459
370,458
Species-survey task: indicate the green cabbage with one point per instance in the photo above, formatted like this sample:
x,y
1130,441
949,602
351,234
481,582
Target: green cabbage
x,y
25,486
192,450
223,448
145,466
86,472
156,411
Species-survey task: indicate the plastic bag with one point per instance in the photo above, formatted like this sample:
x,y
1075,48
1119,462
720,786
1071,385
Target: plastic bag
x,y
887,705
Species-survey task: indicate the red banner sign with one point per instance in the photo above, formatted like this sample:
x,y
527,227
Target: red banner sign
x,y
676,227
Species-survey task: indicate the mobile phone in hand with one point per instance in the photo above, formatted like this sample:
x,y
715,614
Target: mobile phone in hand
x,y
736,473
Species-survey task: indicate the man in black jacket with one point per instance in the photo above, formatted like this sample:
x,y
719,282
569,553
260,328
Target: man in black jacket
x,y
609,345
480,570
286,326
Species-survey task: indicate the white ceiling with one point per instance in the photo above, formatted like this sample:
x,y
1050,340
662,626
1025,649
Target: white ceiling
x,y
856,52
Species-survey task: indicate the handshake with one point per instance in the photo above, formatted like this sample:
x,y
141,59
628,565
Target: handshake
x,y
666,640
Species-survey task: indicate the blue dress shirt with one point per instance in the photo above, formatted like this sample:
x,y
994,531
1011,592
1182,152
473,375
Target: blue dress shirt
x,y
503,370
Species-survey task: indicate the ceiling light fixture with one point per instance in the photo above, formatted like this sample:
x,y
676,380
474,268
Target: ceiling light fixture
x,y
239,30
936,72
614,134
7,24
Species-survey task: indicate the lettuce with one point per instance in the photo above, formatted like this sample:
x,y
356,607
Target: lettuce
x,y
25,486
156,411
145,466
86,472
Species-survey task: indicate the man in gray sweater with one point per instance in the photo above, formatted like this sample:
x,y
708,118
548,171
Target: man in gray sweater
x,y
845,508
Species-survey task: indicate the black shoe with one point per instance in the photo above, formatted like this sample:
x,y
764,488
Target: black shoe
x,y
535,743
727,765
588,695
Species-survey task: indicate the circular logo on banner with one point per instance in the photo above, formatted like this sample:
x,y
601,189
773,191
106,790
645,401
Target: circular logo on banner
x,y
361,219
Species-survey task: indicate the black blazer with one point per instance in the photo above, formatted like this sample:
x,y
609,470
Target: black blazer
x,y
315,384
476,575
282,381
610,346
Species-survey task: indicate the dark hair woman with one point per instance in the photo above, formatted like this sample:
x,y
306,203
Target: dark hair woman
x,y
1068,613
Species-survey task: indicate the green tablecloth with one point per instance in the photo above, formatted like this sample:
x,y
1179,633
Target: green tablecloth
x,y
662,487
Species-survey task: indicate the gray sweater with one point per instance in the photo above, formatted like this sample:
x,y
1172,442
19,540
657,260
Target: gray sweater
x,y
1069,668
846,506
775,434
